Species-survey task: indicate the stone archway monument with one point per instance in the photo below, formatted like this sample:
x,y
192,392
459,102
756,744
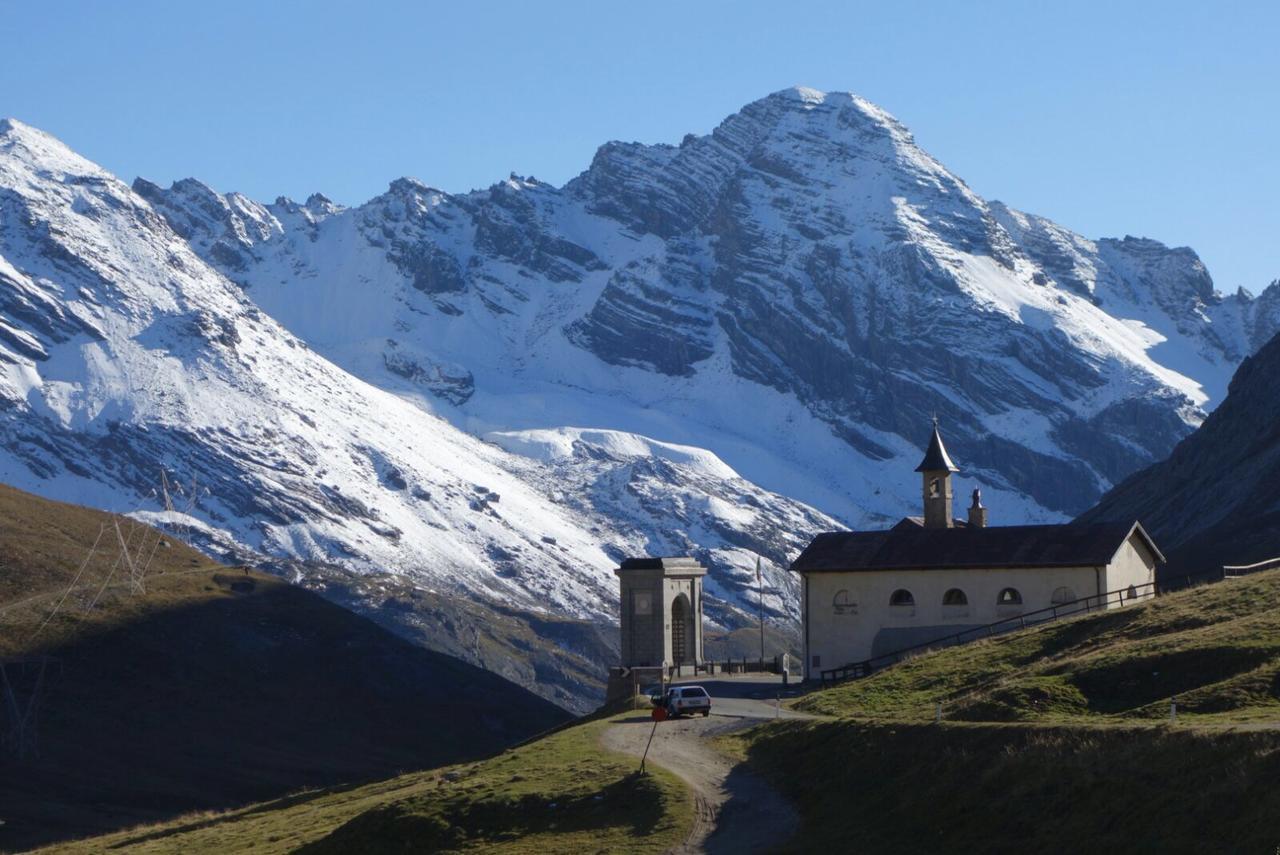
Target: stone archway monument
x,y
661,613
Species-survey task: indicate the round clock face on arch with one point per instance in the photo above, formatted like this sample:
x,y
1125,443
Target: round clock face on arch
x,y
643,603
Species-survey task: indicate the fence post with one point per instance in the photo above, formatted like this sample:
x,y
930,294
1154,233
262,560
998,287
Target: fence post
x,y
1173,708
937,717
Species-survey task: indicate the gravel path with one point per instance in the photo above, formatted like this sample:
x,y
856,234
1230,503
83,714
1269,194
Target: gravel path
x,y
735,810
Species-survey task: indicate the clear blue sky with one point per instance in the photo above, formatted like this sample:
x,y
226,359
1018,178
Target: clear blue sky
x,y
1156,119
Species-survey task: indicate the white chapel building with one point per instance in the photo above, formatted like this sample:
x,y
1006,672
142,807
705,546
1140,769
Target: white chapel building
x,y
868,594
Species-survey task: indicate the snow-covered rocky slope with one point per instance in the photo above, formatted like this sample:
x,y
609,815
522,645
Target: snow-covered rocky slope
x,y
123,354
798,291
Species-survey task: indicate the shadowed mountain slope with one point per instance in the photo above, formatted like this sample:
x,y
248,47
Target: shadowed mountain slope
x,y
215,687
1216,500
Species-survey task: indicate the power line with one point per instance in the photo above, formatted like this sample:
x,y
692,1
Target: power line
x,y
70,587
134,582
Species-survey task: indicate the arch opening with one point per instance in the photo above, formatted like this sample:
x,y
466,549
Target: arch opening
x,y
902,597
681,629
1062,596
1009,597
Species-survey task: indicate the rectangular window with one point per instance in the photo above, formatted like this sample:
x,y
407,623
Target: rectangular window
x,y
817,660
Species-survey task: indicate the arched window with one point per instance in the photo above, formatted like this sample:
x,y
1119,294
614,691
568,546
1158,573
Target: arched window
x,y
935,488
1062,596
843,603
1132,593
902,597
1009,597
955,597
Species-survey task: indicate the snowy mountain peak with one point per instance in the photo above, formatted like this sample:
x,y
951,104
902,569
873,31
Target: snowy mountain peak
x,y
13,129
407,186
320,205
848,102
864,128
223,226
316,209
34,147
804,94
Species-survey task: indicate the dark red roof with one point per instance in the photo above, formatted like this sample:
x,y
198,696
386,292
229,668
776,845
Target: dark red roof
x,y
913,547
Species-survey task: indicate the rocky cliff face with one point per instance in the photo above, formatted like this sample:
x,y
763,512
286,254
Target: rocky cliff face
x,y
1216,499
807,255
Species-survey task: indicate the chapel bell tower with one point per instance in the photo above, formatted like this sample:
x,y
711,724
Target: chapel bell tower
x,y
936,469
661,612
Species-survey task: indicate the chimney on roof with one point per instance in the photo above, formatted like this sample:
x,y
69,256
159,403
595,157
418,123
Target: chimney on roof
x,y
936,469
977,513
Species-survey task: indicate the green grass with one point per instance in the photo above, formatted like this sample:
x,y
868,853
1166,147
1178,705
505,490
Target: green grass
x,y
1216,648
559,794
926,788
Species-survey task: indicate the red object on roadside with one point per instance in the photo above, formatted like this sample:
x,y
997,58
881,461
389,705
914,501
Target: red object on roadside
x,y
659,713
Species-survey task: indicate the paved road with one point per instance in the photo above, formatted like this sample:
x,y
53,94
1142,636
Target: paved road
x,y
735,811
753,696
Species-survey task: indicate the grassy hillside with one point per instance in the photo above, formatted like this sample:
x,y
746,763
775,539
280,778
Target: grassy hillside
x,y
213,688
1217,648
926,788
1055,739
560,794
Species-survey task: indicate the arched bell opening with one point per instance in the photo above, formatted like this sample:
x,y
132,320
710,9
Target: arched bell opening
x,y
682,630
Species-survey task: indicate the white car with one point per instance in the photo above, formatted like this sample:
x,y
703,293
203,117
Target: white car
x,y
683,700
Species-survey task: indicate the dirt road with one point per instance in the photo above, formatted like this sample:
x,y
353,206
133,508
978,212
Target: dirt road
x,y
735,811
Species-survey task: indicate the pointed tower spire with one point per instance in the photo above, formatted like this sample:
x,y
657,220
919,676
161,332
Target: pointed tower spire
x,y
936,458
936,469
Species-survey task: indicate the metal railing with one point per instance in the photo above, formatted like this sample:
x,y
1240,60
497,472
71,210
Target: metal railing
x,y
1232,572
1039,617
